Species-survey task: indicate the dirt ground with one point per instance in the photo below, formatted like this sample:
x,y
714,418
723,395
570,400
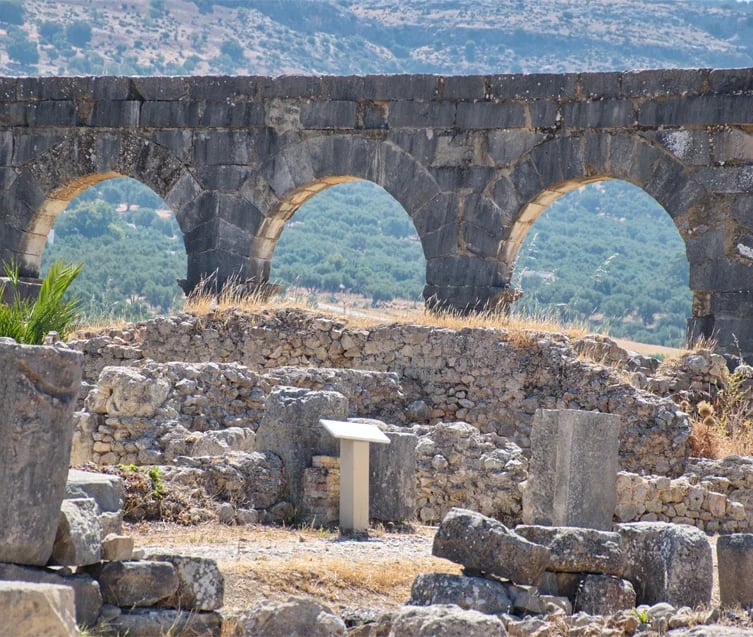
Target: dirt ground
x,y
265,562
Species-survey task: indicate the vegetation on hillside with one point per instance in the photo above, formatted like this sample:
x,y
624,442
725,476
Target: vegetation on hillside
x,y
379,36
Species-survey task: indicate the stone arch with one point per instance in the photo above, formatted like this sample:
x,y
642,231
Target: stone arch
x,y
557,167
47,183
301,170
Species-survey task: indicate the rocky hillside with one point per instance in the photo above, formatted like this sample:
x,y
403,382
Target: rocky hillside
x,y
378,36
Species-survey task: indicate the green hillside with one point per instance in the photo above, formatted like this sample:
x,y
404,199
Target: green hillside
x,y
601,254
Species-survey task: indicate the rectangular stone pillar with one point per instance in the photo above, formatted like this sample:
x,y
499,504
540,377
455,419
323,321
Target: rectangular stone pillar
x,y
572,473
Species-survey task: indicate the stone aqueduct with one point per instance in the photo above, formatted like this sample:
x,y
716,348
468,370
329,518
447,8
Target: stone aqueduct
x,y
473,160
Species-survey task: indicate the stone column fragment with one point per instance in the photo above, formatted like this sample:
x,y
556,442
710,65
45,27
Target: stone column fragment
x,y
573,469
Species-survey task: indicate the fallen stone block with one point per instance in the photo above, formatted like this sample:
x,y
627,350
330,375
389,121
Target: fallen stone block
x,y
667,562
201,586
117,548
474,593
106,489
735,557
36,609
159,622
87,596
485,545
604,595
79,536
127,584
576,550
297,617
445,620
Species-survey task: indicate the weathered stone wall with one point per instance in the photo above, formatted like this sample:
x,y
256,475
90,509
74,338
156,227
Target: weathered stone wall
x,y
473,160
492,379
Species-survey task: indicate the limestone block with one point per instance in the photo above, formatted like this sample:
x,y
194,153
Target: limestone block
x,y
667,562
117,548
85,425
129,584
735,557
475,593
106,489
40,386
445,620
126,391
392,478
573,550
36,609
201,586
87,596
290,428
573,469
604,595
485,545
79,536
297,617
158,622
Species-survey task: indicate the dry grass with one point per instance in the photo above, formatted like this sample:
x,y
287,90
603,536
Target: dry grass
x,y
239,296
272,563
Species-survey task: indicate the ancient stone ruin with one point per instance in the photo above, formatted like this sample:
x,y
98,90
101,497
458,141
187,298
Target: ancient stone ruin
x,y
488,429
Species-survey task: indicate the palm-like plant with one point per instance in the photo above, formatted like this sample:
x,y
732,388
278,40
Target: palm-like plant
x,y
30,321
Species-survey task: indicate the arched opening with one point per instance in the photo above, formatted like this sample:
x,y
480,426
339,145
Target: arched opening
x,y
349,242
606,254
128,240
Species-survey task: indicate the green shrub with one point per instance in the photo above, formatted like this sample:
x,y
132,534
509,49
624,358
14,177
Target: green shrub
x,y
30,321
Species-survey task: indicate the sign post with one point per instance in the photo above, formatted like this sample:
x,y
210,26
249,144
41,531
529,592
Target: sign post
x,y
354,469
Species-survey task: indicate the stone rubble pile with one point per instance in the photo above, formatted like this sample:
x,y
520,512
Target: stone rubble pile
x,y
494,380
94,579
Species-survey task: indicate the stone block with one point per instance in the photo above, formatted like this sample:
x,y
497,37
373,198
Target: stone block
x,y
287,86
485,545
106,489
534,86
598,114
117,548
220,89
446,620
40,387
153,622
415,114
735,557
392,478
201,586
127,584
87,596
290,428
490,115
113,113
573,469
401,87
730,80
470,593
604,595
125,392
667,562
543,113
164,114
79,536
600,85
37,609
296,617
463,87
159,88
329,115
574,550
663,82
697,110
240,114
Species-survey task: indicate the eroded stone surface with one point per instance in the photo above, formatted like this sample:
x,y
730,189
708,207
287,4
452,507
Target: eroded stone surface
x,y
483,544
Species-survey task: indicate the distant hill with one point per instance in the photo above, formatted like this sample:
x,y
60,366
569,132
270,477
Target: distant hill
x,y
594,256
63,37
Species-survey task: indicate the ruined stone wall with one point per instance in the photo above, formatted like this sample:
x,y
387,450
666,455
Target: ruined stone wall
x,y
492,379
